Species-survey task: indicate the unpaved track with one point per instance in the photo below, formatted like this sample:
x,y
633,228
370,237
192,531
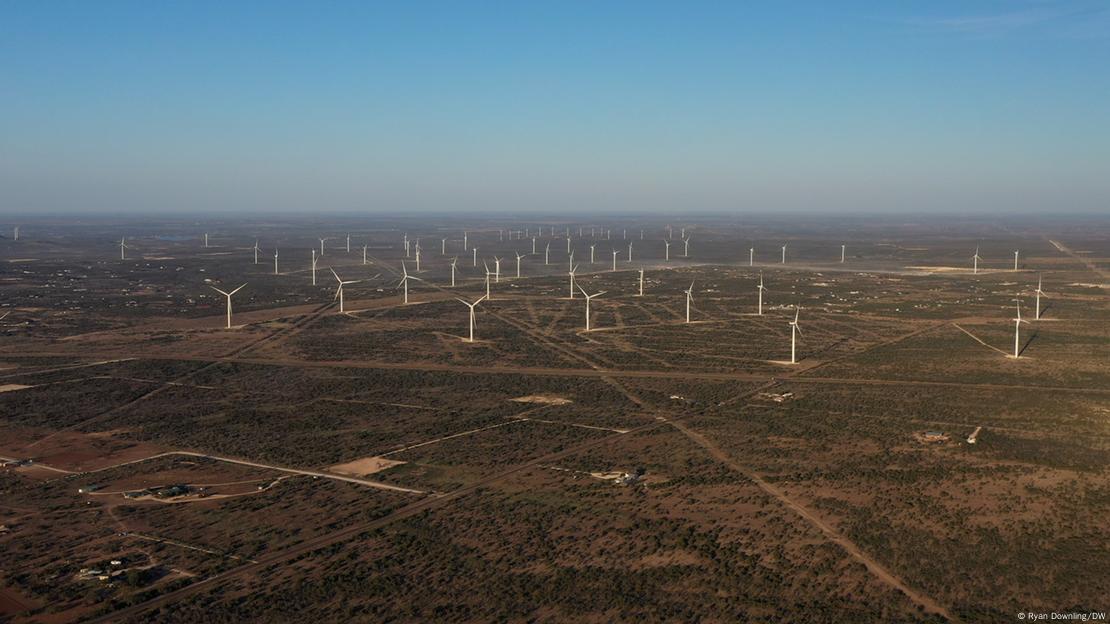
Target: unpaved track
x,y
877,569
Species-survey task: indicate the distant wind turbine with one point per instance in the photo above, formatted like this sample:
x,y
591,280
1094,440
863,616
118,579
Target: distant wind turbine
x,y
668,249
795,331
256,250
228,295
1015,259
641,282
275,261
843,248
454,261
315,259
123,248
689,299
784,254
975,262
571,273
404,283
751,256
615,252
589,297
1017,330
518,257
1039,293
339,289
760,290
686,247
472,306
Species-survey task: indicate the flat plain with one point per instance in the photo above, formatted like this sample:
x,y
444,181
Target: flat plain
x,y
375,465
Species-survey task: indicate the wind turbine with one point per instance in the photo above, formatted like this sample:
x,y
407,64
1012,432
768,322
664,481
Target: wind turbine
x,y
464,240
339,290
472,306
315,259
592,253
122,247
405,277
417,256
364,253
784,254
406,244
630,251
689,299
486,265
1017,330
641,282
454,261
275,261
588,298
322,247
228,295
975,260
1039,293
474,260
760,290
348,242
15,233
751,256
615,252
533,245
571,273
842,250
518,257
497,269
686,247
206,240
668,251
256,250
443,246
795,330
547,255
1015,259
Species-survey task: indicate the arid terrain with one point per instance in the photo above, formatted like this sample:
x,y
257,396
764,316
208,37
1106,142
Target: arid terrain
x,y
669,464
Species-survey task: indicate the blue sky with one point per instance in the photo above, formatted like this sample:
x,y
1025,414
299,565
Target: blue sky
x,y
985,106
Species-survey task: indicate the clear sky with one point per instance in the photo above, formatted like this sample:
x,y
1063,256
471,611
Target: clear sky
x,y
389,106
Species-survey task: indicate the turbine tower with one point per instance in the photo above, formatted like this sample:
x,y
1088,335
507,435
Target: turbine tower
x,y
228,295
454,261
472,306
615,252
1017,330
668,249
497,269
571,273
275,261
630,251
689,299
206,240
315,259
547,255
975,261
592,253
751,256
795,330
122,248
784,254
486,265
364,253
518,257
588,298
322,247
686,247
256,250
1015,259
641,282
1039,293
348,242
842,250
404,283
760,290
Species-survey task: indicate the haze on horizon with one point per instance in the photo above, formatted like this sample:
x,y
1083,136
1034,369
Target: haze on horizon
x,y
981,106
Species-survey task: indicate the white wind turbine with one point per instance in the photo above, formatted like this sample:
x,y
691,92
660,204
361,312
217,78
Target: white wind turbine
x,y
474,259
15,234
641,282
228,295
686,247
533,245
256,250
843,248
443,246
518,257
975,261
588,298
322,246
275,261
751,256
348,242
571,273
668,249
206,240
568,244
364,253
630,251
464,241
418,256
689,299
1017,330
404,283
339,289
615,252
472,306
1015,259
122,248
795,330
784,254
1039,293
760,290
592,253
486,265
547,255
497,269
315,259
454,261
